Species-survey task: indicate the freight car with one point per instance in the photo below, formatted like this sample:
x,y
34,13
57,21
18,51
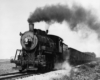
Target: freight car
x,y
77,57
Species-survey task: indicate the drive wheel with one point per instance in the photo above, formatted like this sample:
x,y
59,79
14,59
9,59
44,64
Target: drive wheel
x,y
50,66
41,69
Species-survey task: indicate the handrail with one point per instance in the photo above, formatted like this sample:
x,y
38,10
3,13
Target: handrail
x,y
16,52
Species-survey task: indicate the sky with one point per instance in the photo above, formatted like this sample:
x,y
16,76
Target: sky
x,y
13,20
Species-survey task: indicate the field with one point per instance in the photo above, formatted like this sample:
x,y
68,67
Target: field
x,y
6,66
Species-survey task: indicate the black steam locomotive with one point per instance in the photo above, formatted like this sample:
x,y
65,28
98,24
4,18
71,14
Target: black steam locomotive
x,y
40,51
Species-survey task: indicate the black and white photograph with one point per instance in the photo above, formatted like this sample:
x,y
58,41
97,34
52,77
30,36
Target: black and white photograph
x,y
49,39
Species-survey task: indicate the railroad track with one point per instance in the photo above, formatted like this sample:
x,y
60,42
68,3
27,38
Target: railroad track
x,y
16,75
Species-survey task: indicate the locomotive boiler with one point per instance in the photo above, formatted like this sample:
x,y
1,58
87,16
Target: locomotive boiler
x,y
39,50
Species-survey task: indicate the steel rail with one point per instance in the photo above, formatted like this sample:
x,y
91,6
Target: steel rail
x,y
15,75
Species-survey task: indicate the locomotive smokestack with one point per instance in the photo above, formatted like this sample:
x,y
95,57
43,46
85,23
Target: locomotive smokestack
x,y
31,27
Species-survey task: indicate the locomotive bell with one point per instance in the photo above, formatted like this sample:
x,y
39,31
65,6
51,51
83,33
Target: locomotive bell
x,y
31,27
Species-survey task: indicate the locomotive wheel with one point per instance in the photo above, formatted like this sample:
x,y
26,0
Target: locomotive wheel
x,y
41,69
50,66
22,70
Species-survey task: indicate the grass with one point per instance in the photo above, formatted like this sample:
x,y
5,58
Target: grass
x,y
6,66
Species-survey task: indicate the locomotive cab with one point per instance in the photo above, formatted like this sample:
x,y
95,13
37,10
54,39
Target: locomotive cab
x,y
58,43
59,48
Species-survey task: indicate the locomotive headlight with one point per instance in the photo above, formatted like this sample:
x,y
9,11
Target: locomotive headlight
x,y
29,40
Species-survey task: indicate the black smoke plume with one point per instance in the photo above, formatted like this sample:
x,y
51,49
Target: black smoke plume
x,y
58,13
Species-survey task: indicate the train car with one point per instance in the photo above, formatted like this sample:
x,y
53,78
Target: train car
x,y
77,57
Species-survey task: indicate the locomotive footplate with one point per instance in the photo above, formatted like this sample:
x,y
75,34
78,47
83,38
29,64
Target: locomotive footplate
x,y
23,62
36,62
32,68
29,68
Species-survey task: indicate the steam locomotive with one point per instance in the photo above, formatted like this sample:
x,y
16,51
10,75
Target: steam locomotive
x,y
40,51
